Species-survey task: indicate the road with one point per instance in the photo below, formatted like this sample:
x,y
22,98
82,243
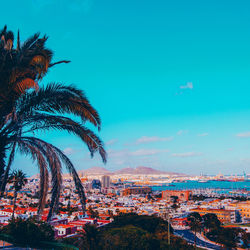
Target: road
x,y
189,236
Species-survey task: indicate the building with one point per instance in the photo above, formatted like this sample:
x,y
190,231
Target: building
x,y
63,230
105,181
136,190
179,223
244,209
224,216
182,195
96,184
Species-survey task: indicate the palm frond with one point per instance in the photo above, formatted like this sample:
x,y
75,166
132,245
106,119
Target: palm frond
x,y
59,62
72,171
4,177
37,154
25,84
34,145
29,42
46,122
57,98
18,41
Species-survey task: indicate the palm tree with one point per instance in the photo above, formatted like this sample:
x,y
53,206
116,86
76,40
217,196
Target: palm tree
x,y
195,223
23,113
18,180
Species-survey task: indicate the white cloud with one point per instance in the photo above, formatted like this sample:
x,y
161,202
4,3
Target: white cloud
x,y
141,152
187,154
182,132
204,134
68,151
245,134
146,139
189,85
111,142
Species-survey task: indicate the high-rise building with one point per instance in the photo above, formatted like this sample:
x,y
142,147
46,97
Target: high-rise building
x,y
105,181
96,184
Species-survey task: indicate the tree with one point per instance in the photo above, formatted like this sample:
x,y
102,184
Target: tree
x,y
210,221
93,213
195,223
110,213
18,180
28,232
26,108
128,237
229,237
87,239
151,224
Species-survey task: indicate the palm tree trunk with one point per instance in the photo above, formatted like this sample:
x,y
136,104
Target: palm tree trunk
x,y
5,175
195,239
14,207
2,158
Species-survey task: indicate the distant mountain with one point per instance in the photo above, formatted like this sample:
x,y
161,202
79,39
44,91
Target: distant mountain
x,y
144,171
126,171
94,171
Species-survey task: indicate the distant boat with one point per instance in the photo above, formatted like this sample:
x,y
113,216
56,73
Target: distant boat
x,y
203,181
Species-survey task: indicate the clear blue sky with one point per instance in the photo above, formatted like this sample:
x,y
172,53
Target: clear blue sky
x,y
170,79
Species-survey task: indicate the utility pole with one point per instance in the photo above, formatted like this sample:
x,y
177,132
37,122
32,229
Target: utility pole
x,y
167,213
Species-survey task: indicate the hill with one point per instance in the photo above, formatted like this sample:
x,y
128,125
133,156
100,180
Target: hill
x,y
127,171
144,171
94,171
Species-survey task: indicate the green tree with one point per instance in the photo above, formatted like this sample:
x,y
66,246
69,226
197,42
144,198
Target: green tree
x,y
245,239
93,213
28,232
228,237
87,239
27,108
18,179
210,221
128,237
151,224
195,223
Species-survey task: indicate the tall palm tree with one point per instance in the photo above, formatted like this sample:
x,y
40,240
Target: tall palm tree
x,y
27,111
195,223
18,180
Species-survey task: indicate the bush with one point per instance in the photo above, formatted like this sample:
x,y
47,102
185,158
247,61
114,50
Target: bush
x,y
28,232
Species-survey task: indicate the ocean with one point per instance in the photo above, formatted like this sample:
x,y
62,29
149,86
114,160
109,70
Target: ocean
x,y
216,186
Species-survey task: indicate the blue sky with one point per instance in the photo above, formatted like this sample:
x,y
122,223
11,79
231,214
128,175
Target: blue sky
x,y
170,79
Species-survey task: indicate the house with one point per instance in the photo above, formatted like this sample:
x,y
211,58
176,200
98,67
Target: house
x,y
63,230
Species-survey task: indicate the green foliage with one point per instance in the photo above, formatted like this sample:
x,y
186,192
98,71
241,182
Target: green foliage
x,y
93,213
229,237
129,231
194,220
128,237
151,224
18,179
28,232
210,221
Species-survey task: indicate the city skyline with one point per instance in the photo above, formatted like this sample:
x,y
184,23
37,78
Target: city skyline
x,y
169,80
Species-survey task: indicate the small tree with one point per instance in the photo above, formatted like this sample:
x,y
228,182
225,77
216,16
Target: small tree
x,y
93,213
18,179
